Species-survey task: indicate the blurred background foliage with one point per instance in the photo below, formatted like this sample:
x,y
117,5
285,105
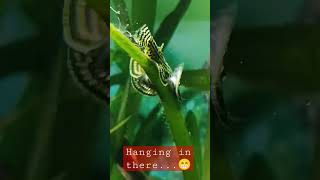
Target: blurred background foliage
x,y
186,41
49,128
270,89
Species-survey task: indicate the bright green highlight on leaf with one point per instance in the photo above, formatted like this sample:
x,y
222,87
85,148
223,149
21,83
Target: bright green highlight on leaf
x,y
120,124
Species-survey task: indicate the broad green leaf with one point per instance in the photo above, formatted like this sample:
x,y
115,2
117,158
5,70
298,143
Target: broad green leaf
x,y
146,129
170,23
143,12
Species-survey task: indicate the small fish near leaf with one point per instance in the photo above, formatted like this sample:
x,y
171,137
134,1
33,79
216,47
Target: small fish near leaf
x,y
139,80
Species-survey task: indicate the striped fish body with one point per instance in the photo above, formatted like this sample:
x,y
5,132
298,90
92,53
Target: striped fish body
x,y
149,46
86,35
89,71
140,81
143,85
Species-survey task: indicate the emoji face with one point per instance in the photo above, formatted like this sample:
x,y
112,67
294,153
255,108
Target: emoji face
x,y
184,164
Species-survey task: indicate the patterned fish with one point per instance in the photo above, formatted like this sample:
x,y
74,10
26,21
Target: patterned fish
x,y
139,80
86,35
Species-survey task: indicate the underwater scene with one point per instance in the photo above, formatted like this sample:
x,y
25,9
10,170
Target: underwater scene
x,y
159,82
236,80
53,90
265,72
